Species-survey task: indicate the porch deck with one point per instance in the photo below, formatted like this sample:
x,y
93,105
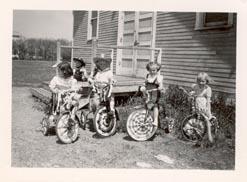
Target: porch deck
x,y
124,86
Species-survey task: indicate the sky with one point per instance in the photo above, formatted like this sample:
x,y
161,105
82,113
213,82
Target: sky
x,y
43,23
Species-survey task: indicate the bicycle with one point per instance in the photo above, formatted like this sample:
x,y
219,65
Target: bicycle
x,y
105,122
60,117
140,123
194,126
67,126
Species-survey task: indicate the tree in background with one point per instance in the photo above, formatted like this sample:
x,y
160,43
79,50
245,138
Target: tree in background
x,y
39,49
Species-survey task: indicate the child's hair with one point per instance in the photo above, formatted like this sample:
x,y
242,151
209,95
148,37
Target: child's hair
x,y
80,60
102,63
203,76
153,65
65,69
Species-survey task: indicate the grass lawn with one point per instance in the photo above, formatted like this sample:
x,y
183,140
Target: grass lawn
x,y
27,72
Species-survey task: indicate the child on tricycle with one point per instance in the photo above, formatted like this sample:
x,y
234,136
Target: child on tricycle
x,y
142,123
102,99
66,93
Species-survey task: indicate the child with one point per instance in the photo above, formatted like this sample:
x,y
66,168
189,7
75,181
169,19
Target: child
x,y
203,94
79,71
62,82
153,81
102,75
80,75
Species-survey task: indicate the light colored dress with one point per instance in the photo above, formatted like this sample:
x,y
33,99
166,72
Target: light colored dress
x,y
203,98
58,84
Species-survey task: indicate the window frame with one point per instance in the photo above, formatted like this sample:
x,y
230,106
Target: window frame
x,y
201,25
90,26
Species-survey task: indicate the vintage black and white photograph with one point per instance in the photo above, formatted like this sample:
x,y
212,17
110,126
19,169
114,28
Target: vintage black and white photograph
x,y
123,89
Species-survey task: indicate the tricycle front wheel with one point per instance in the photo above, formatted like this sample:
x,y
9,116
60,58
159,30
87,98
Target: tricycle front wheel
x,y
105,125
44,126
67,129
140,125
194,128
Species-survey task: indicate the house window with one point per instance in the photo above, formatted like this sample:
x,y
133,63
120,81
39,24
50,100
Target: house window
x,y
93,21
213,20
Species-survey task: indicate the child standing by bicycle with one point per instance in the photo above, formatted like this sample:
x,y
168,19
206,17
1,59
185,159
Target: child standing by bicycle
x,y
153,81
203,93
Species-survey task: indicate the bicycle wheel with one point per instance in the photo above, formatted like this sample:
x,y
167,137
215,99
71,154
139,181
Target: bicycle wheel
x,y
82,120
67,129
139,126
104,124
194,127
45,126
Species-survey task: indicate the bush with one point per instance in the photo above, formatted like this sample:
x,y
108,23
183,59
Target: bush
x,y
177,107
225,113
42,107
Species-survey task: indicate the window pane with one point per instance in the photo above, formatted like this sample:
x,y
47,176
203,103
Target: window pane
x,y
129,26
94,27
145,12
145,23
129,15
94,14
216,17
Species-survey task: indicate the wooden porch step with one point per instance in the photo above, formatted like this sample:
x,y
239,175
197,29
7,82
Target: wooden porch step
x,y
42,94
124,86
45,95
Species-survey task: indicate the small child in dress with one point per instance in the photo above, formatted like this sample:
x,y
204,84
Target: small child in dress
x,y
62,81
153,81
203,93
102,75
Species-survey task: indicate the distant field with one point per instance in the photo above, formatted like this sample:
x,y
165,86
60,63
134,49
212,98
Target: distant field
x,y
31,72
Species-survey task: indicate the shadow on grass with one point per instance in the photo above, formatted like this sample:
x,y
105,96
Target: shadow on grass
x,y
61,143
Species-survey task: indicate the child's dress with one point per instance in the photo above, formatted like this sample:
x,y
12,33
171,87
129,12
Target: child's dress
x,y
58,85
203,95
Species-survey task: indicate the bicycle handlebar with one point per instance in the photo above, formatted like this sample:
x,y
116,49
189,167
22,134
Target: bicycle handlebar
x,y
186,92
68,91
151,90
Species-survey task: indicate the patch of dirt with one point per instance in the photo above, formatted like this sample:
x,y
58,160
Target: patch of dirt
x,y
31,149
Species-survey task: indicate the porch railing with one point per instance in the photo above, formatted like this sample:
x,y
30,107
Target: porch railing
x,y
95,47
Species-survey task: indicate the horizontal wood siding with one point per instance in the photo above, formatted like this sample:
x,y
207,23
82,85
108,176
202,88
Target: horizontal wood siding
x,y
107,34
186,51
80,37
